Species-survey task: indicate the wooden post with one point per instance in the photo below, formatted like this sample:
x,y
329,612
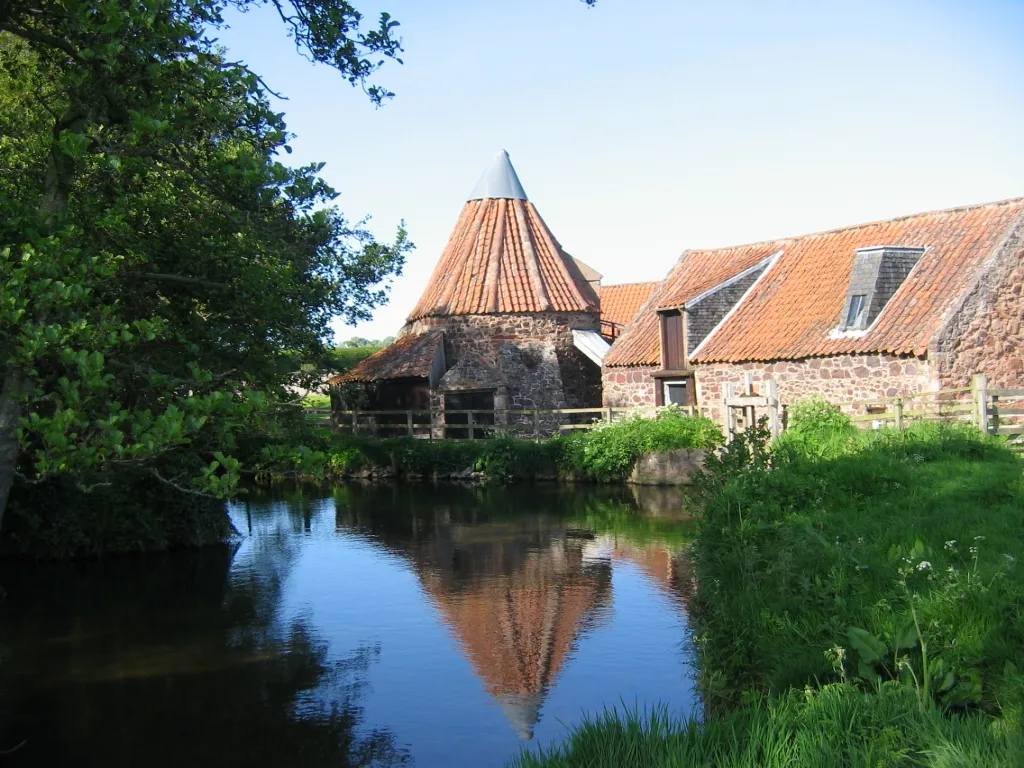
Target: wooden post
x,y
355,422
897,408
773,408
470,420
995,414
408,423
608,414
980,386
536,424
728,416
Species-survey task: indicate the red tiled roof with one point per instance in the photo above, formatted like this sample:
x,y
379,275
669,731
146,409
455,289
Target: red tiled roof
x,y
409,356
793,309
694,273
619,303
501,257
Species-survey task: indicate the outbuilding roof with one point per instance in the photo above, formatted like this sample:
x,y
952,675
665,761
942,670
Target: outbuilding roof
x,y
409,356
619,303
797,304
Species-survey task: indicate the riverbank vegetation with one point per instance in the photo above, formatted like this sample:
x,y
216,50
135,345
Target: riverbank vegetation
x,y
858,602
605,453
168,281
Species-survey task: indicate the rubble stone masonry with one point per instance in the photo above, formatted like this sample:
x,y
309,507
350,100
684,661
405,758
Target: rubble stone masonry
x,y
628,387
986,333
842,379
532,353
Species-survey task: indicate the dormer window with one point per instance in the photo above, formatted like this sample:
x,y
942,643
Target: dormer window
x,y
855,315
877,274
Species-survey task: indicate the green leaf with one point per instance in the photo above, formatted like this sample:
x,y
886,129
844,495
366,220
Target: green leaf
x,y
907,637
869,647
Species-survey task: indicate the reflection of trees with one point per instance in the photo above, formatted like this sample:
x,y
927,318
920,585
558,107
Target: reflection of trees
x,y
171,661
509,579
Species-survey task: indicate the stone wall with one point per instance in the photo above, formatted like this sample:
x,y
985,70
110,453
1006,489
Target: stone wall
x,y
841,379
984,334
529,358
628,387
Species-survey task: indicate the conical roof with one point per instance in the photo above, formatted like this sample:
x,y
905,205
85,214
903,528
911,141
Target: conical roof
x,y
501,257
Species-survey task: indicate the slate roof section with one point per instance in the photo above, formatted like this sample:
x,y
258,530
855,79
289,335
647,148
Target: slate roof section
x,y
619,303
409,356
792,311
501,257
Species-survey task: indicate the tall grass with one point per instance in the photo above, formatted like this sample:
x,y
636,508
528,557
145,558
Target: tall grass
x,y
836,725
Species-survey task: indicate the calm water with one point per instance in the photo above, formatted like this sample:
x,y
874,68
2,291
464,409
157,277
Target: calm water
x,y
368,626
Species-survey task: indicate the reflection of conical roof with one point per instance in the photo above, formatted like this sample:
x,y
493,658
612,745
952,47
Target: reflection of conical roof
x,y
501,257
518,629
523,711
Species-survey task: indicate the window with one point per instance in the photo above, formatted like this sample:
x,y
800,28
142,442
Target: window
x,y
676,392
855,315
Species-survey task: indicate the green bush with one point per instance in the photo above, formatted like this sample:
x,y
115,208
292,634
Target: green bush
x,y
607,453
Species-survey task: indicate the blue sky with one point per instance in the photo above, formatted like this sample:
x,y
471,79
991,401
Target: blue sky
x,y
640,128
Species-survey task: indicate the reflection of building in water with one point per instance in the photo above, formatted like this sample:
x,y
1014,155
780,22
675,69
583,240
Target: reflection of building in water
x,y
516,595
518,626
667,567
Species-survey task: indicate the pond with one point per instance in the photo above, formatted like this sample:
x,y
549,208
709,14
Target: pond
x,y
368,625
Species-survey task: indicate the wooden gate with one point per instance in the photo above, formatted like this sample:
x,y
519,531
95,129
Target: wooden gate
x,y
741,404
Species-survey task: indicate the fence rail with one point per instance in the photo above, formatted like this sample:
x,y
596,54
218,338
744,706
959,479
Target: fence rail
x,y
479,423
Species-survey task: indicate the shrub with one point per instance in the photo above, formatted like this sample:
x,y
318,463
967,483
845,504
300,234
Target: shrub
x,y
608,452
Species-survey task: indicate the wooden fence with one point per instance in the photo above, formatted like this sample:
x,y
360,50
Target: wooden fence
x,y
477,424
995,411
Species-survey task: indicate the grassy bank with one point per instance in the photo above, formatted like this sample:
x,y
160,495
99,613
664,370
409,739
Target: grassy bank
x,y
859,602
606,453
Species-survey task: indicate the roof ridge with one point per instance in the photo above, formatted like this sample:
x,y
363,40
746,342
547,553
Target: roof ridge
x,y
635,282
851,227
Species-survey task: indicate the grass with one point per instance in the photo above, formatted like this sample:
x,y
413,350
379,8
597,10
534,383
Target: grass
x,y
859,601
836,725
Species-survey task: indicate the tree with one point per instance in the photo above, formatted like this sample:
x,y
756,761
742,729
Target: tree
x,y
160,265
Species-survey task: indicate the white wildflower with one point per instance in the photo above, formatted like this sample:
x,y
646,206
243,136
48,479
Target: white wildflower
x,y
951,545
924,565
979,538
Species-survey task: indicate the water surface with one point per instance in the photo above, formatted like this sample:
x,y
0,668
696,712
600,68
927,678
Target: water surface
x,y
365,626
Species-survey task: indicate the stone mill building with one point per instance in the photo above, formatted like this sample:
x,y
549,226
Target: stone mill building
x,y
507,322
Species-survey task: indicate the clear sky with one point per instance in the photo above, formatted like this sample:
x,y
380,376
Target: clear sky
x,y
640,128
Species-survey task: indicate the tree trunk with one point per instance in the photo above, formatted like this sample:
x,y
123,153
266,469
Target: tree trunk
x,y
10,413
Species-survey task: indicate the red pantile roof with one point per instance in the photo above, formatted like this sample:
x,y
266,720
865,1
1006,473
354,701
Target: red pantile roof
x,y
619,303
793,309
502,257
409,356
694,273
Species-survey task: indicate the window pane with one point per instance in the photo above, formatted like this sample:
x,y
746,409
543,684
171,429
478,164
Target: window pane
x,y
856,314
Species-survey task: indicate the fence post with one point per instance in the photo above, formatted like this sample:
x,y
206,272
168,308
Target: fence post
x,y
470,420
728,416
773,407
897,408
408,422
355,421
995,414
608,414
536,424
979,384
